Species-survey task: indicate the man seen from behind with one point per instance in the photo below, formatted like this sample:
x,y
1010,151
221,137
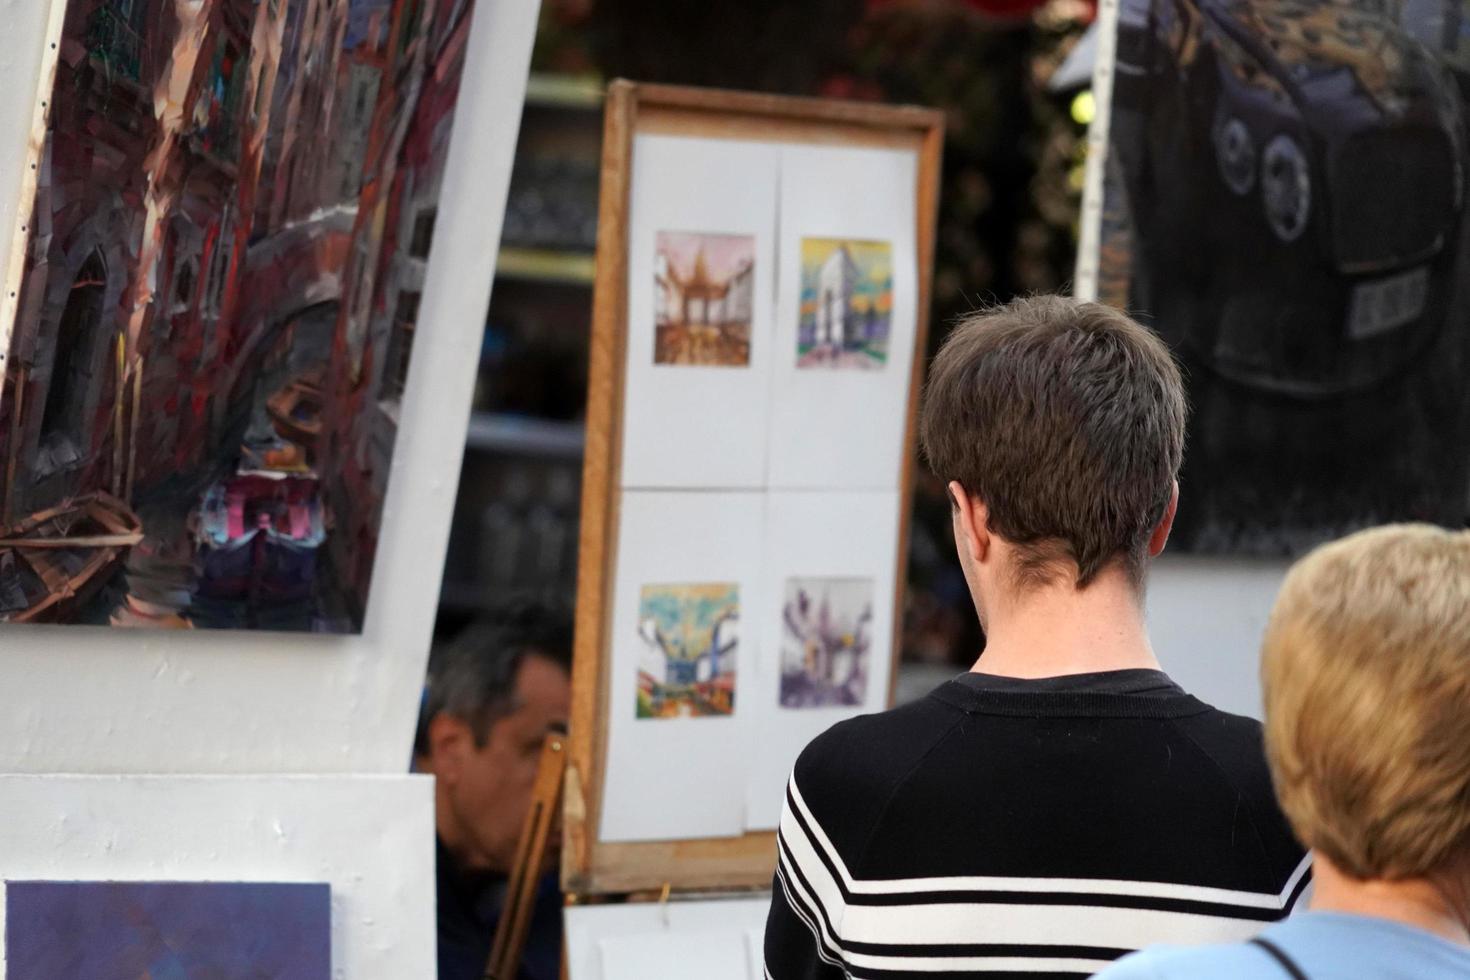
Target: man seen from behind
x,y
1064,802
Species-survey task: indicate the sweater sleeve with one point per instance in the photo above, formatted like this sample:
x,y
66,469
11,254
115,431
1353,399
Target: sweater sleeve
x,y
798,945
834,800
1236,747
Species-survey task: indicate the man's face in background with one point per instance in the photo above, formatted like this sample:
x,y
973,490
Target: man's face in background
x,y
484,790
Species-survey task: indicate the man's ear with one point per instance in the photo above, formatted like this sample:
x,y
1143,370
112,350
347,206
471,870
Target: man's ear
x,y
451,740
972,523
1160,535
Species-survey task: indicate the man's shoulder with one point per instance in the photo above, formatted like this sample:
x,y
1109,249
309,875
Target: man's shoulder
x,y
1238,735
846,775
1235,746
877,746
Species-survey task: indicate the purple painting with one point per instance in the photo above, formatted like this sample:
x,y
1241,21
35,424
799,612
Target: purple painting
x,y
167,930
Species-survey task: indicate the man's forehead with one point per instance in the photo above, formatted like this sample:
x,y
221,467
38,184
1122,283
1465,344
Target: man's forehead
x,y
540,668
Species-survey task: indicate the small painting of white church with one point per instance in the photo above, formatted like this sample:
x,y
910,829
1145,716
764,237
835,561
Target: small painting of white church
x,y
846,303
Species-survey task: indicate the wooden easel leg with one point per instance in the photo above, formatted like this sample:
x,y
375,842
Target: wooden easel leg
x,y
525,875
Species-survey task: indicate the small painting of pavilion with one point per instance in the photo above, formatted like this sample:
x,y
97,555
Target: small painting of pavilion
x,y
704,285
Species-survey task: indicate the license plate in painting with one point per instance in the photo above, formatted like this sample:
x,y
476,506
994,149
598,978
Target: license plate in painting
x,y
1387,304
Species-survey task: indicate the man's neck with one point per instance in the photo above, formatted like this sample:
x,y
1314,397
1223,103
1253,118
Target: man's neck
x,y
1058,629
1416,902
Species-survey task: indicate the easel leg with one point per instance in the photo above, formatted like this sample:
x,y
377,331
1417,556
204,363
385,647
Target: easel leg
x,y
525,874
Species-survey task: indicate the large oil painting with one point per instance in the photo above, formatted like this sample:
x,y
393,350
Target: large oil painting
x,y
1285,205
235,208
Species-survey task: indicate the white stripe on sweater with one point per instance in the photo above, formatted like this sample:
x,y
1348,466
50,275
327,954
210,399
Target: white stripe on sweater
x,y
1086,886
981,923
801,905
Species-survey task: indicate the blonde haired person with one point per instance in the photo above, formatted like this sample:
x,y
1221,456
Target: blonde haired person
x,y
1366,667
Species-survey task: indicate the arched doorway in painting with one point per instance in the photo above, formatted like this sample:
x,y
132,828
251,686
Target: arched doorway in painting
x,y
76,333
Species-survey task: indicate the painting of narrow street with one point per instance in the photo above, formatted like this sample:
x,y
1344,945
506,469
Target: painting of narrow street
x,y
231,227
690,637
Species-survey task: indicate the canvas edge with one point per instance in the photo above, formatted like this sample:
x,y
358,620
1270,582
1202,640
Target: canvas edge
x,y
1085,277
429,447
15,260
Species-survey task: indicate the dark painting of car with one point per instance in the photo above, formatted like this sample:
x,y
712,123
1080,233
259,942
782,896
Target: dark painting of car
x,y
1285,205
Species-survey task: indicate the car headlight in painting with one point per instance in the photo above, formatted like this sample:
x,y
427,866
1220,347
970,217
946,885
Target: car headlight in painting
x,y
1286,187
1236,153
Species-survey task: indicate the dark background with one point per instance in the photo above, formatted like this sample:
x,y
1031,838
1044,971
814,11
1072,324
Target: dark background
x,y
1270,472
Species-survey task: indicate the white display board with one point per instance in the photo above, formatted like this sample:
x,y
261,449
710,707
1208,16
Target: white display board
x,y
759,318
659,770
714,939
693,425
769,473
844,429
242,828
82,700
815,537
768,545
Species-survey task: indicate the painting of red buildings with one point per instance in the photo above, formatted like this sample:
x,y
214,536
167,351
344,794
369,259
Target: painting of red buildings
x,y
233,216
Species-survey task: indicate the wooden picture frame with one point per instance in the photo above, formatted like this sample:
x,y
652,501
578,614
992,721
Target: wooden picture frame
x,y
589,866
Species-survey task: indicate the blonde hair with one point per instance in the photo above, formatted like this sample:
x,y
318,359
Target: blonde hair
x,y
1366,669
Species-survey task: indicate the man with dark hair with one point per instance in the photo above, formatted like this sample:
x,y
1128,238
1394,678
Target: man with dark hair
x,y
1064,802
494,694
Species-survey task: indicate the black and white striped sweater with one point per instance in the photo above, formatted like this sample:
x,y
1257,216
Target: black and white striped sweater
x,y
1027,829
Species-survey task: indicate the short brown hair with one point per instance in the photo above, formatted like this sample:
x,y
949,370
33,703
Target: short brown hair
x,y
1366,670
1067,420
